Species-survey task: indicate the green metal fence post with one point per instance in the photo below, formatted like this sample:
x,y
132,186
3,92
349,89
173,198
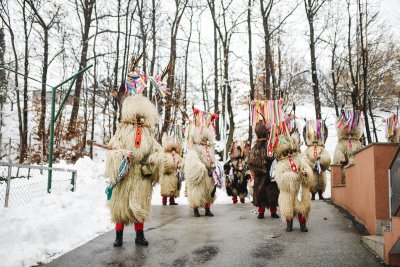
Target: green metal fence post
x,y
53,104
53,118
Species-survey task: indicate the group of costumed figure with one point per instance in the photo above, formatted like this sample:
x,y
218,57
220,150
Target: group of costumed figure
x,y
272,169
135,161
277,172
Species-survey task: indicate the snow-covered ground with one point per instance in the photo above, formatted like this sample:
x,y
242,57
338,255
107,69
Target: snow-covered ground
x,y
56,223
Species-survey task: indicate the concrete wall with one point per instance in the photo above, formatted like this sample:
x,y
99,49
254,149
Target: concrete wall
x,y
365,191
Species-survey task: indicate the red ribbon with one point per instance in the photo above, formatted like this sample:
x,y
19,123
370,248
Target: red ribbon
x,y
315,151
292,164
350,144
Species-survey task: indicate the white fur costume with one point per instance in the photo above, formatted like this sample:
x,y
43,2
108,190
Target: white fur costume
x,y
289,181
131,198
316,151
199,161
348,144
172,161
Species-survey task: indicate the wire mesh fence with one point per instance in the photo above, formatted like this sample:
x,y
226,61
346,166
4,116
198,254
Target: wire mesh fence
x,y
19,183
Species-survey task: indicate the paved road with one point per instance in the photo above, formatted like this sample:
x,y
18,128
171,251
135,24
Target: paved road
x,y
234,237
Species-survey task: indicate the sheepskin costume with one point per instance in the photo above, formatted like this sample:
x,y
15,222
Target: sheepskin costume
x,y
315,134
171,168
293,175
265,190
237,172
131,197
198,169
350,128
392,129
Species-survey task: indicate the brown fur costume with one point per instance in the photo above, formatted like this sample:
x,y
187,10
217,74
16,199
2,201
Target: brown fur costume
x,y
237,167
131,198
316,150
198,167
172,161
289,180
265,191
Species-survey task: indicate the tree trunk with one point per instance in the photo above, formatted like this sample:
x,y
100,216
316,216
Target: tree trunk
x,y
251,78
42,126
365,77
314,76
115,102
172,60
87,13
154,43
267,52
24,143
127,36
334,82
228,100
354,93
16,68
216,89
186,68
140,4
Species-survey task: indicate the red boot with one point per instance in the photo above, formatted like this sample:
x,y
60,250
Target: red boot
x,y
302,221
273,212
140,240
261,213
289,225
234,200
208,211
164,200
172,201
119,229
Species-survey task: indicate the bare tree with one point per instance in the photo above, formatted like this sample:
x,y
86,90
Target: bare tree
x,y
180,6
225,32
5,17
312,7
251,71
267,7
154,43
364,57
185,88
85,8
142,9
45,63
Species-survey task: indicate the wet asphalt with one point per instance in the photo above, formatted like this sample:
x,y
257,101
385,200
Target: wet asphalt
x,y
233,237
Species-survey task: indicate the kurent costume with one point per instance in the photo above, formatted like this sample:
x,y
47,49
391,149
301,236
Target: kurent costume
x,y
315,134
294,178
133,162
171,169
265,189
201,175
236,171
392,129
350,126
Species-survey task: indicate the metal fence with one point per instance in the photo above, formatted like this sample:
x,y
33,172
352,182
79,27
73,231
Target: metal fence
x,y
20,183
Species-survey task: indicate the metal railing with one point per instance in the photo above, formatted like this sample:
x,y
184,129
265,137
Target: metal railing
x,y
20,183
